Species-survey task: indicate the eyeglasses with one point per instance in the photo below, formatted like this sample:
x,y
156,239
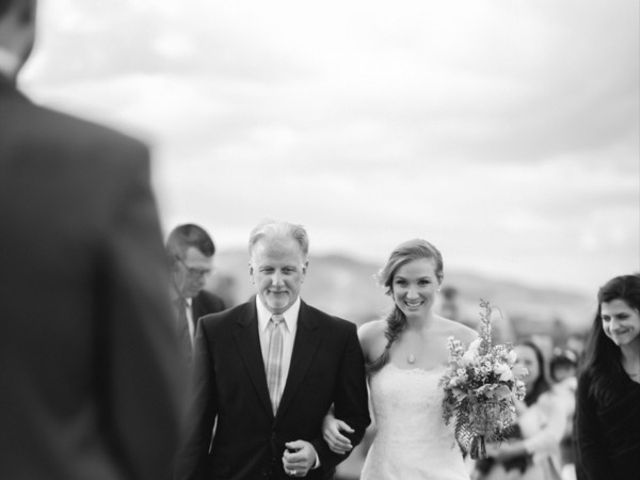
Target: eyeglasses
x,y
195,272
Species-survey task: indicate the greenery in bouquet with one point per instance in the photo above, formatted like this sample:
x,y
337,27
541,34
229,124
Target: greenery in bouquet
x,y
481,385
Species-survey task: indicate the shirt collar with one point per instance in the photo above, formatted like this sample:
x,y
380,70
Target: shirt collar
x,y
290,315
9,63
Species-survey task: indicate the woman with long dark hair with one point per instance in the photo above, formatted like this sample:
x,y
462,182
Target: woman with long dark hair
x,y
608,397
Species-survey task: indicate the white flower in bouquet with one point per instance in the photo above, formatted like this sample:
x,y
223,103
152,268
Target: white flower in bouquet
x,y
481,387
504,372
471,355
475,346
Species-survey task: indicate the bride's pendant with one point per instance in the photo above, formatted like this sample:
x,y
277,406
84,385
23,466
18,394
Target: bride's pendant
x,y
411,358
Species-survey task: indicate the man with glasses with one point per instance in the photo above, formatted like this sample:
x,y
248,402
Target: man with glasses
x,y
191,251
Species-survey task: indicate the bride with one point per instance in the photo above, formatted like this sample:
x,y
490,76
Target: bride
x,y
406,355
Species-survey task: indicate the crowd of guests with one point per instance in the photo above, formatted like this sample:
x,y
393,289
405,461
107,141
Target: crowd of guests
x,y
581,420
543,444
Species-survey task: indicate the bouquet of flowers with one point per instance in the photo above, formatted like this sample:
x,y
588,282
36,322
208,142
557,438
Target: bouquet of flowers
x,y
481,386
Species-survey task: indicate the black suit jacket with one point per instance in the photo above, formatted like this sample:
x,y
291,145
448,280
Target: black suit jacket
x,y
205,303
89,366
608,432
202,304
327,367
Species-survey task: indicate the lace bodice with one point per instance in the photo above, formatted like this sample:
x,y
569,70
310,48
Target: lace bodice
x,y
412,441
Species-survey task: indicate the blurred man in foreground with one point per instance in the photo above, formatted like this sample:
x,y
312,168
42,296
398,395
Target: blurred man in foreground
x,y
89,363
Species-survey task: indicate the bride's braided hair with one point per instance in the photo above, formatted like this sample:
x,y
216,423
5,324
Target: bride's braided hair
x,y
396,321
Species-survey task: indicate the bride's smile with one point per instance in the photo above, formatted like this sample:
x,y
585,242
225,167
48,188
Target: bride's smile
x,y
414,287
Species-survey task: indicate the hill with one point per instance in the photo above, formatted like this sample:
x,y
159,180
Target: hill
x,y
346,287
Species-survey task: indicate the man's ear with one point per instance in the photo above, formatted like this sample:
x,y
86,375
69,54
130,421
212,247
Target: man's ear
x,y
172,259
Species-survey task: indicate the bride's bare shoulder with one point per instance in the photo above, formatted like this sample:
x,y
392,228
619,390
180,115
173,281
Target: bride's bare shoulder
x,y
451,328
372,338
372,329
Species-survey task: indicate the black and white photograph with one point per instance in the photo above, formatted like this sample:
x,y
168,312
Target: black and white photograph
x,y
338,240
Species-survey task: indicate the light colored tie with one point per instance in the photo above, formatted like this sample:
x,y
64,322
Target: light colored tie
x,y
273,367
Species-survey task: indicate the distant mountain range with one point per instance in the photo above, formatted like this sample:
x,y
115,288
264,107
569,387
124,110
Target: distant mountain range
x,y
346,287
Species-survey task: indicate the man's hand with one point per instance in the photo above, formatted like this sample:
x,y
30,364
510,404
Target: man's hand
x,y
299,457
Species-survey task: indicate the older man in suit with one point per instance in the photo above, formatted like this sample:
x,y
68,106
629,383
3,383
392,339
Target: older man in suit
x,y
268,371
90,368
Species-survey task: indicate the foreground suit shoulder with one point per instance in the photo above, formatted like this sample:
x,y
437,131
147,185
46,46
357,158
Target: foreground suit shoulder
x,y
79,216
78,165
19,114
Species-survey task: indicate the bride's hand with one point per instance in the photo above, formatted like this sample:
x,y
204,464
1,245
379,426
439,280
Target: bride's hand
x,y
331,428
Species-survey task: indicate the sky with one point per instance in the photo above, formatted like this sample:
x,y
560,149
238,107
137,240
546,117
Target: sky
x,y
507,133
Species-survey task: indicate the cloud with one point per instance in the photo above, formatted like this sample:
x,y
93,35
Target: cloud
x,y
506,132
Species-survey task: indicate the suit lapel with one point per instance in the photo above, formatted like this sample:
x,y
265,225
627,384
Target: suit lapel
x,y
304,348
248,342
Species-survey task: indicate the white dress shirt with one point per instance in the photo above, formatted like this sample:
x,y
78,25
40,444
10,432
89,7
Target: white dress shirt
x,y
190,322
290,328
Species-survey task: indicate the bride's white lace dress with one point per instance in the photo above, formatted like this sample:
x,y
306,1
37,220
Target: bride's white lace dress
x,y
412,442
